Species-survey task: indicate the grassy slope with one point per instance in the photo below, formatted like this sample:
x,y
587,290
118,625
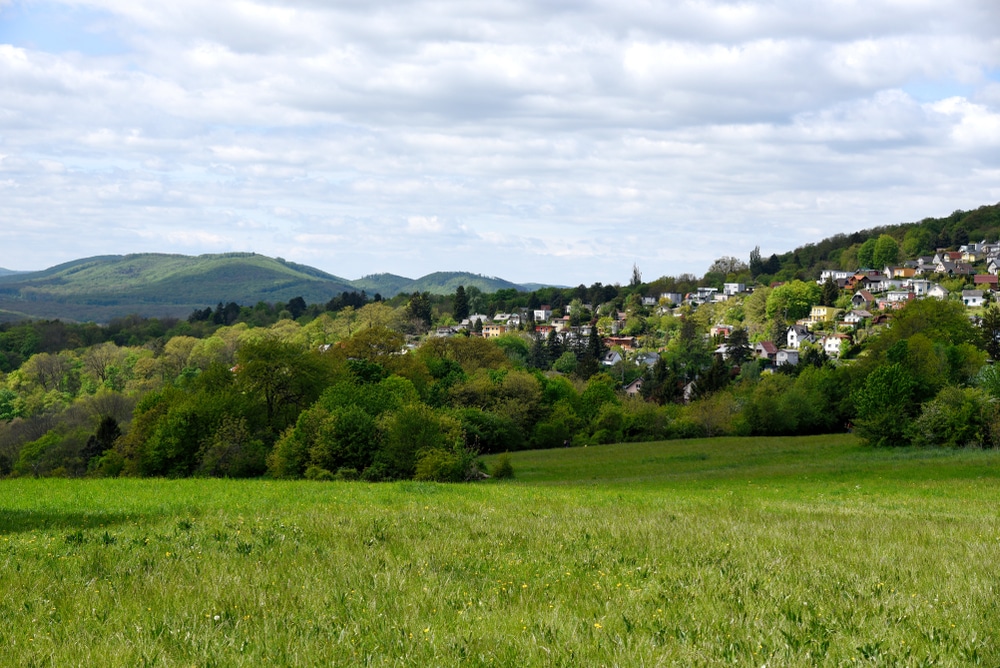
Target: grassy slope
x,y
728,551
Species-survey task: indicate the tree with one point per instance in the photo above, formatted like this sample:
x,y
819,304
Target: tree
x,y
830,293
297,306
756,263
886,252
729,265
738,346
883,406
461,304
866,254
282,376
991,331
793,300
636,277
419,308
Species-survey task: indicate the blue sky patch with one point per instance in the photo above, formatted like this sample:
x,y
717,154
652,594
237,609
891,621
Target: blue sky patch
x,y
59,29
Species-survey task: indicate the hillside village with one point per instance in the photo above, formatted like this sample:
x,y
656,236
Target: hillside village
x,y
865,301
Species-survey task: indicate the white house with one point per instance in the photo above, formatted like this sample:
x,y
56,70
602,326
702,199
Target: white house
x,y
730,289
833,344
787,357
937,292
796,336
856,316
972,298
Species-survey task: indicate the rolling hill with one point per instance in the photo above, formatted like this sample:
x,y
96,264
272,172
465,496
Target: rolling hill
x,y
154,284
104,287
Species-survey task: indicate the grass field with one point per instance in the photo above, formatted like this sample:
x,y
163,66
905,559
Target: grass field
x,y
784,552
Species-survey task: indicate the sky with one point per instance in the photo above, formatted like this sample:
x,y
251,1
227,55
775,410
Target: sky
x,y
556,141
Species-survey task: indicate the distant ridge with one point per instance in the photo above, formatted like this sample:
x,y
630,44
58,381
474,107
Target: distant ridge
x,y
439,283
7,272
157,284
108,286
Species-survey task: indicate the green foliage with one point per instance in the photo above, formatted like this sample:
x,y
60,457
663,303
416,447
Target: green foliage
x,y
232,451
455,464
886,252
407,433
502,468
957,417
884,406
866,254
792,301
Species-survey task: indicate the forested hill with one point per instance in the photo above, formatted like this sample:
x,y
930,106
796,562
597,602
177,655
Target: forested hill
x,y
152,284
438,283
919,238
100,288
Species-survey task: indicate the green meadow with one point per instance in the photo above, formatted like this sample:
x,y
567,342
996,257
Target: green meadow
x,y
747,552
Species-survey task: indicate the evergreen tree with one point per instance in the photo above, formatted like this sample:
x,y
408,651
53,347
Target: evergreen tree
x,y
830,293
461,304
756,262
738,346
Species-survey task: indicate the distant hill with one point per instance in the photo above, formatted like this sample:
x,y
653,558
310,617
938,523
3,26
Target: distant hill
x,y
438,283
386,285
6,272
104,287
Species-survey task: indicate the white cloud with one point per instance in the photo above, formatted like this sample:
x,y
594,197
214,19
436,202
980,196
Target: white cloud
x,y
552,141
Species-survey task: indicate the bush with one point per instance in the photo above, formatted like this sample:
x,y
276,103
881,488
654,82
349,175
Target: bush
x,y
346,473
447,465
502,468
317,473
955,418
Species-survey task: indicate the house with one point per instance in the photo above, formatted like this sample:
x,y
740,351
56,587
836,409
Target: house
x,y
624,342
787,357
894,296
634,388
820,314
647,359
493,330
649,301
834,343
722,351
986,281
919,286
937,292
900,272
723,330
862,299
797,335
972,298
765,350
834,275
611,358
543,313
671,298
857,316
730,289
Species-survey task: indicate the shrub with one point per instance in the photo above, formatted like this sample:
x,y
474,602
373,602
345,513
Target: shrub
x,y
502,468
317,473
956,417
346,473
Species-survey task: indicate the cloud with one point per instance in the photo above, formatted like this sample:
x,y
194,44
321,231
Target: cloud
x,y
550,141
